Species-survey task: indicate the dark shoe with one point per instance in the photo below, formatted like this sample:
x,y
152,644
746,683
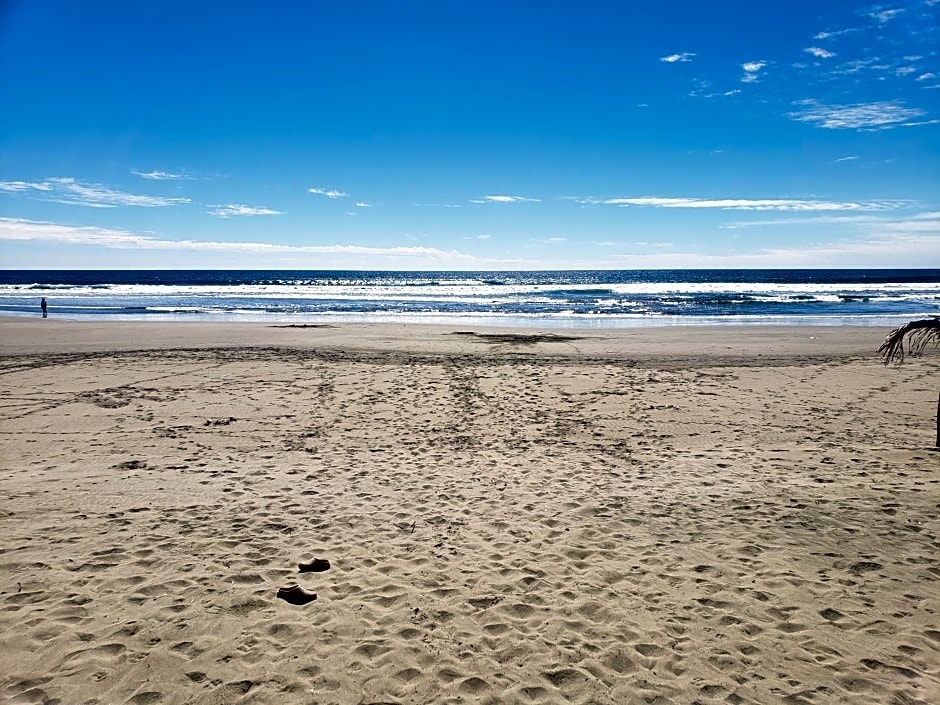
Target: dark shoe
x,y
315,565
296,595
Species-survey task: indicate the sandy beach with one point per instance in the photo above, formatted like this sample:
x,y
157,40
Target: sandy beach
x,y
661,515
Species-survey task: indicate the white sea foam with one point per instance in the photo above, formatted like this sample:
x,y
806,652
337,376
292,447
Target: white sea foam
x,y
471,291
553,298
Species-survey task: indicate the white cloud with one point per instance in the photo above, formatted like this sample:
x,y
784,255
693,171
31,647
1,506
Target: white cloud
x,y
21,186
725,94
17,229
910,241
858,65
329,193
363,204
159,175
880,242
235,209
885,15
881,115
674,58
97,195
75,193
836,33
896,250
751,71
819,52
744,204
869,219
702,89
506,199
846,159
484,236
659,245
902,243
926,76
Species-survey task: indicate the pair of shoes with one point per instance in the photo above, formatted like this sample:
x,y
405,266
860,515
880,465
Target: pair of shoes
x,y
296,595
315,565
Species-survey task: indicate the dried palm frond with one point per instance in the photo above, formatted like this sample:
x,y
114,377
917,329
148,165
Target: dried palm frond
x,y
918,334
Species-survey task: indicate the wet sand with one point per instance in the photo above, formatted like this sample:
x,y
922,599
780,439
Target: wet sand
x,y
668,515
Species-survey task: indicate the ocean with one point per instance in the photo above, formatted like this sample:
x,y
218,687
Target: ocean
x,y
561,299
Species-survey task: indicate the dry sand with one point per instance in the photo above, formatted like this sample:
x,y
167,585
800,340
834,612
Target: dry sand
x,y
690,515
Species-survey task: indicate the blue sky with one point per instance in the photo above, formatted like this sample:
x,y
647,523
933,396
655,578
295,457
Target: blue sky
x,y
457,135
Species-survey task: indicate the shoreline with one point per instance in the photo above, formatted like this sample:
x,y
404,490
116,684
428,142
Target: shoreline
x,y
725,342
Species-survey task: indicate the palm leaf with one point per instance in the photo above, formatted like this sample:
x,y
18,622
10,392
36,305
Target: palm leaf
x,y
917,334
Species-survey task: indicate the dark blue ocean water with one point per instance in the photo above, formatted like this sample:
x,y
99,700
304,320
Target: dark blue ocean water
x,y
555,298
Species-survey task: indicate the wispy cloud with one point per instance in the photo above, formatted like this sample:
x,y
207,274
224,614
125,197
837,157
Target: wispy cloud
x,y
819,52
878,241
903,243
883,16
702,88
851,158
17,229
746,204
752,71
101,196
75,193
658,245
684,57
887,249
857,66
506,199
881,115
235,209
929,221
23,186
836,33
159,175
926,76
719,94
363,204
329,193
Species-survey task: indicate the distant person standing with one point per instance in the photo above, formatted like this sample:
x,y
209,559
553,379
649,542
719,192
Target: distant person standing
x,y
42,305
